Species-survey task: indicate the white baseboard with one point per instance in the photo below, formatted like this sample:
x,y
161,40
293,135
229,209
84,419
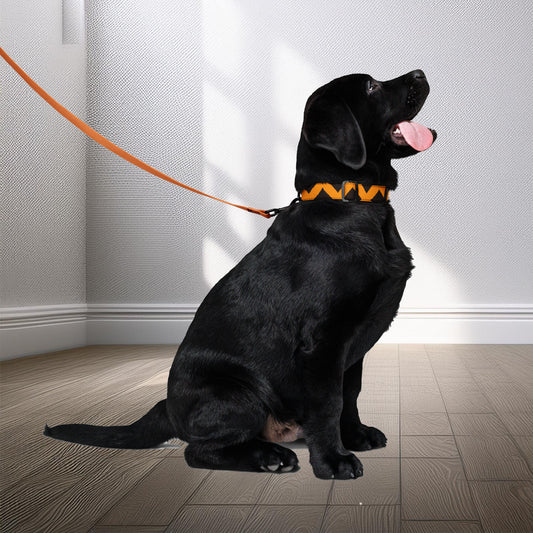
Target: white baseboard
x,y
41,329
30,330
469,324
138,323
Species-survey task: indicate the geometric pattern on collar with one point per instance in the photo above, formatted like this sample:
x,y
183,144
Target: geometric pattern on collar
x,y
347,191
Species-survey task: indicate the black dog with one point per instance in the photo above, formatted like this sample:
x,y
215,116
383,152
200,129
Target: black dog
x,y
275,351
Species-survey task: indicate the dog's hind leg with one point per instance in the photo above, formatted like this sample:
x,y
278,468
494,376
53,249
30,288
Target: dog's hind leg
x,y
252,456
223,432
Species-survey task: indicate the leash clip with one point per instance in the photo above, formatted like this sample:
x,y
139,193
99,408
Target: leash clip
x,y
277,210
273,212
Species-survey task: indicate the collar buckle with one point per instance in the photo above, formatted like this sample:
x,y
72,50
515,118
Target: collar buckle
x,y
343,190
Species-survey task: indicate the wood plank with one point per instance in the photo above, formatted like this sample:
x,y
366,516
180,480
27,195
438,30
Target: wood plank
x,y
429,446
386,422
379,380
27,452
25,499
231,488
155,499
380,485
297,488
55,486
79,393
494,457
67,464
379,399
491,375
285,518
440,527
18,373
209,519
425,424
83,379
425,384
435,489
504,505
415,401
526,447
518,423
371,406
508,397
448,367
465,401
476,424
79,507
128,529
370,519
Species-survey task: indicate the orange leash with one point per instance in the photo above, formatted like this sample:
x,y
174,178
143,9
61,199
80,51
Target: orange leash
x,y
106,143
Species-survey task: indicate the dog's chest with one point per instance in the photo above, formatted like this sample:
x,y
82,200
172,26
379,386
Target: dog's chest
x,y
380,253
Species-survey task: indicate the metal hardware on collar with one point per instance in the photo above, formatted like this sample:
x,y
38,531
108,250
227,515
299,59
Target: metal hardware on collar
x,y
343,190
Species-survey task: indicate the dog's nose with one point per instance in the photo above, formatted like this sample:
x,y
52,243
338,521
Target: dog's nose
x,y
418,74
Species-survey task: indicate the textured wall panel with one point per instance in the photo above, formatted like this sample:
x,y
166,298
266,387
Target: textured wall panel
x,y
73,21
42,161
145,94
213,94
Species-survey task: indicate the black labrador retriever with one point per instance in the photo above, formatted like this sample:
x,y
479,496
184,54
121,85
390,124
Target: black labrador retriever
x,y
275,351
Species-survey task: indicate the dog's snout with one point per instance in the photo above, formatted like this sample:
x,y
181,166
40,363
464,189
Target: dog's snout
x,y
418,75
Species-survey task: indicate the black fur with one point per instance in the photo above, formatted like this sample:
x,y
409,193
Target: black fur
x,y
284,333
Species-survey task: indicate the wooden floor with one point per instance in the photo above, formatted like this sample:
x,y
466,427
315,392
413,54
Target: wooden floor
x,y
459,459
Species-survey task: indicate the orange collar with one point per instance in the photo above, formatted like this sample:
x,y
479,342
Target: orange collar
x,y
347,191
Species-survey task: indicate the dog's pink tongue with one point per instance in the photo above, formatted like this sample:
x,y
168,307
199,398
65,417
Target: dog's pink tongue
x,y
417,136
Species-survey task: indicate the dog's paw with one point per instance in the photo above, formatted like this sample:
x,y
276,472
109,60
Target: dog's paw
x,y
277,459
337,466
363,438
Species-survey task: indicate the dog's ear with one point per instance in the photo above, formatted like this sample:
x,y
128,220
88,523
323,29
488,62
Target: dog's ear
x,y
329,123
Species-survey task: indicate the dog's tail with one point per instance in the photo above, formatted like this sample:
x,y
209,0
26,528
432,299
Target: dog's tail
x,y
152,429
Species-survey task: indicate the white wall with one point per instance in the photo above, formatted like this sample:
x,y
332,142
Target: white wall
x,y
212,93
42,180
463,206
145,93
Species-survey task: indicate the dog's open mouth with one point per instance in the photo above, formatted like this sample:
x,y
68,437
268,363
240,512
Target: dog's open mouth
x,y
410,133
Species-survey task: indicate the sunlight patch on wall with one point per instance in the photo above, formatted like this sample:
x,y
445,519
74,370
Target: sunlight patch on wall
x,y
428,310
294,80
222,25
225,135
431,284
240,221
283,168
216,261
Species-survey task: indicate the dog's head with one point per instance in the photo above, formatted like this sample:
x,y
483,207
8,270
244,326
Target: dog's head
x,y
355,125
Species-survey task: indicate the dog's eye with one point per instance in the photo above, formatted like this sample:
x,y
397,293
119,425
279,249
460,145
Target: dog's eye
x,y
371,86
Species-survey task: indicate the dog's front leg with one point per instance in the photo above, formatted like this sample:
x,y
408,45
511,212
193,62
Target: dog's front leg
x,y
322,376
355,435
